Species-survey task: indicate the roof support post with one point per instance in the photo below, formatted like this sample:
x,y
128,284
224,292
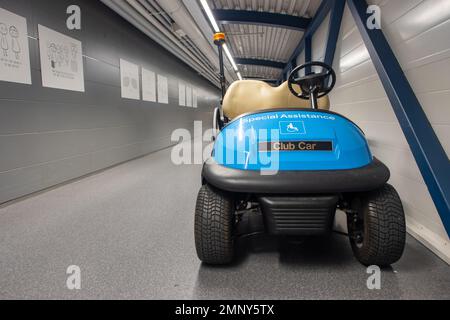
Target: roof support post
x,y
337,12
308,53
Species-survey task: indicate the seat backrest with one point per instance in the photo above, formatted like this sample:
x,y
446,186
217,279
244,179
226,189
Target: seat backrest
x,y
253,95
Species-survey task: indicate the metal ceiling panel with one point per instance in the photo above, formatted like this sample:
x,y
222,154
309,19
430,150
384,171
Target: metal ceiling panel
x,y
246,41
263,42
251,71
259,17
301,8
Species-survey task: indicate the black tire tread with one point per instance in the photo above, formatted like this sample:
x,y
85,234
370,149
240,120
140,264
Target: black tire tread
x,y
214,226
385,230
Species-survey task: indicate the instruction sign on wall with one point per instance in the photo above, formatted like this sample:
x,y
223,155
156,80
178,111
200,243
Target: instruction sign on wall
x,y
129,74
148,85
61,60
181,94
188,96
14,51
163,89
195,98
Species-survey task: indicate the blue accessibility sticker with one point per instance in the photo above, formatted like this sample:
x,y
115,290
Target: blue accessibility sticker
x,y
292,127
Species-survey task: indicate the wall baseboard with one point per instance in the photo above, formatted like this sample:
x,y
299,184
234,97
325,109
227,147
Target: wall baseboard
x,y
438,245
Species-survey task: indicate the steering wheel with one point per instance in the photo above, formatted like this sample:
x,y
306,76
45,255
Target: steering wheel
x,y
319,84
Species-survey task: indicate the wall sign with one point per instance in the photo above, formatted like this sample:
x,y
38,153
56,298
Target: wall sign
x,y
189,97
14,51
148,85
195,98
181,94
61,60
129,75
163,89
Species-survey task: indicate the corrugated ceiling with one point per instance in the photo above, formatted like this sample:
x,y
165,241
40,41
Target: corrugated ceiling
x,y
301,8
265,42
251,71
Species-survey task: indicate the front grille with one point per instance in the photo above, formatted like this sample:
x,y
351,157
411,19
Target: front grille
x,y
307,215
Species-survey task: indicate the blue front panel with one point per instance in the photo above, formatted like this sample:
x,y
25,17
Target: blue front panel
x,y
239,144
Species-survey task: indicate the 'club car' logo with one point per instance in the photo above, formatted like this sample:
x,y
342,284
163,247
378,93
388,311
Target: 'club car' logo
x,y
292,127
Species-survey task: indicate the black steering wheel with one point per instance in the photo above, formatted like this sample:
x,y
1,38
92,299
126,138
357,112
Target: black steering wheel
x,y
318,84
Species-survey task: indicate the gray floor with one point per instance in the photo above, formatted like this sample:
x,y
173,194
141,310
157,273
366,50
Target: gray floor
x,y
130,230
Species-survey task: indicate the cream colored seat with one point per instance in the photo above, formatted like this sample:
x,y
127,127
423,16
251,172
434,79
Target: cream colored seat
x,y
253,95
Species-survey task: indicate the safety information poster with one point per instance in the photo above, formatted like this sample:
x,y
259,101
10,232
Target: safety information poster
x,y
163,89
182,94
195,98
61,60
148,85
189,97
14,54
129,75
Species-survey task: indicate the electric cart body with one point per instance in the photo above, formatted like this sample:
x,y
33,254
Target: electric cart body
x,y
297,166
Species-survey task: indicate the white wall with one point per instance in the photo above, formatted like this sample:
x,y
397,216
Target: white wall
x,y
319,41
301,58
419,33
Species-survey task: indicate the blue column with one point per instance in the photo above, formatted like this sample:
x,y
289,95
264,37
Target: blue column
x,y
337,11
308,53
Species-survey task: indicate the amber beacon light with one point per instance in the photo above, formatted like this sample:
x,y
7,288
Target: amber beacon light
x,y
219,38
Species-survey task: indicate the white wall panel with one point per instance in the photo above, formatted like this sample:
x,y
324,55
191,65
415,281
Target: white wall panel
x,y
393,10
351,40
425,48
347,22
435,104
354,58
419,33
319,40
430,77
365,91
421,18
301,58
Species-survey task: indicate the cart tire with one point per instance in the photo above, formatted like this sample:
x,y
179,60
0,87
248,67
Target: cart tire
x,y
214,226
383,229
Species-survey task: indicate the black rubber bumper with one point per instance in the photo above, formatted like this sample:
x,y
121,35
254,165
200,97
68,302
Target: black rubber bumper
x,y
367,178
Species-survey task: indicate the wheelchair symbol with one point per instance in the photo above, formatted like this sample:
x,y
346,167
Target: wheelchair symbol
x,y
291,128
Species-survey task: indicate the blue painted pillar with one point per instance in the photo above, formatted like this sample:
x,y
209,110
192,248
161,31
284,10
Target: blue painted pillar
x,y
337,11
308,52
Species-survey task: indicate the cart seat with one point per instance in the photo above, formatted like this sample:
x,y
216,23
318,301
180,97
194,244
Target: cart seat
x,y
252,95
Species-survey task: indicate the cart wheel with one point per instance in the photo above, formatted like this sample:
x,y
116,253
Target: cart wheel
x,y
377,228
214,226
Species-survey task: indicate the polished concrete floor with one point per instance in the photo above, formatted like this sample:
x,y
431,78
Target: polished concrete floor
x,y
130,230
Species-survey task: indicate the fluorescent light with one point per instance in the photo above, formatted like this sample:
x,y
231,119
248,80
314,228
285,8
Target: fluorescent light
x,y
217,29
210,15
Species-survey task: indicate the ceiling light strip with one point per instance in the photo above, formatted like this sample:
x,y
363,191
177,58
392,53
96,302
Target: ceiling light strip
x,y
217,29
